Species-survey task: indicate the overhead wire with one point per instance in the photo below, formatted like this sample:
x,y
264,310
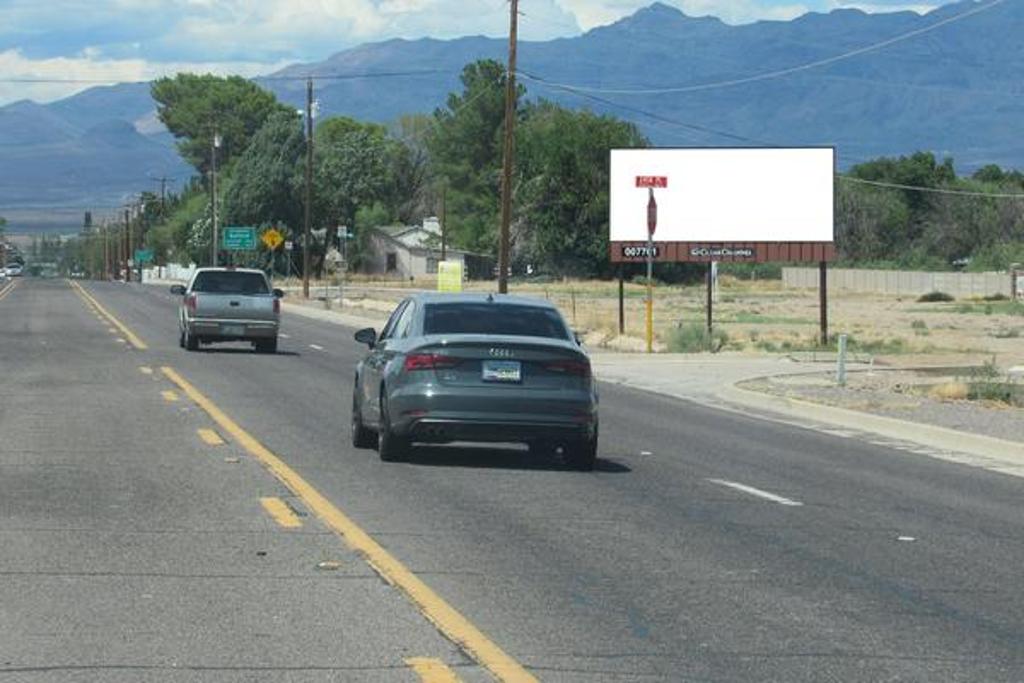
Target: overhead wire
x,y
769,74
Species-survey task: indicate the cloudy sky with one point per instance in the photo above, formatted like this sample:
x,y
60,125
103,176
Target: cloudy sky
x,y
124,40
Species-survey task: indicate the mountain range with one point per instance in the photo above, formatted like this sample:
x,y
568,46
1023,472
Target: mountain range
x,y
955,90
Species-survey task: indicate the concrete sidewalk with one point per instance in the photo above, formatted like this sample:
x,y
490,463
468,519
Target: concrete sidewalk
x,y
712,381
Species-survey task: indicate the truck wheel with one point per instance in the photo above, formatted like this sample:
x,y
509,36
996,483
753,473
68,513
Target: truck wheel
x,y
191,341
268,346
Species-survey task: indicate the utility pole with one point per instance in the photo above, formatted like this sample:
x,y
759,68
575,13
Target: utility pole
x,y
215,247
106,250
444,219
127,247
309,187
506,176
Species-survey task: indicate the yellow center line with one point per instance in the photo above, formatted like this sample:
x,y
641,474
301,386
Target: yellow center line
x,y
432,670
281,513
169,396
210,437
129,335
445,617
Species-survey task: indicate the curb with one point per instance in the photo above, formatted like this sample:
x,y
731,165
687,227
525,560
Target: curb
x,y
1000,453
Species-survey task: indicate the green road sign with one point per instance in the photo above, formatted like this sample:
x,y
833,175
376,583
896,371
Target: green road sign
x,y
238,239
143,256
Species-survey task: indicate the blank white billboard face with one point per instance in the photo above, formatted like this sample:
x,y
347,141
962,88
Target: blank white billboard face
x,y
724,195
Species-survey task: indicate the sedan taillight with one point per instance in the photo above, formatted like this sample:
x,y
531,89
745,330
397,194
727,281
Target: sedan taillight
x,y
277,306
580,368
429,361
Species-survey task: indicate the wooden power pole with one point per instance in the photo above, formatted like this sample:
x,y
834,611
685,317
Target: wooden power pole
x,y
309,187
506,174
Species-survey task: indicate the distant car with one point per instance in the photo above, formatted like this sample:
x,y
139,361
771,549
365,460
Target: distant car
x,y
478,368
229,305
14,270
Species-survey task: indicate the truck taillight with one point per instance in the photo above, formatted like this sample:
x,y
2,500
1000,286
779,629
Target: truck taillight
x,y
277,306
192,302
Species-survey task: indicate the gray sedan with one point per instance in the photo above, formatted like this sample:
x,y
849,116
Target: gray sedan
x,y
474,367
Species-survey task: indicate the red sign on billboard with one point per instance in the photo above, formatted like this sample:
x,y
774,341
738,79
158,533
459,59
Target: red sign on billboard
x,y
651,181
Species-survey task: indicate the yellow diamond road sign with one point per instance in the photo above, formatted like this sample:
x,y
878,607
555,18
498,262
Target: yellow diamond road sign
x,y
272,239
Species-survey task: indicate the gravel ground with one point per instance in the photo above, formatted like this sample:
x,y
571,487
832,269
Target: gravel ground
x,y
902,394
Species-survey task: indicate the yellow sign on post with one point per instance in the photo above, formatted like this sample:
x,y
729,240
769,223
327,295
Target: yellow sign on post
x,y
272,239
449,276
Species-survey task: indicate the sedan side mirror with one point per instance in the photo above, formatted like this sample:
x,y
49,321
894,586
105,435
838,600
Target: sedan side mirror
x,y
278,293
178,289
577,337
367,336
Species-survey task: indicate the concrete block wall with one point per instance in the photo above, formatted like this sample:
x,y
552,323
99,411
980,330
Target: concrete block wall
x,y
901,282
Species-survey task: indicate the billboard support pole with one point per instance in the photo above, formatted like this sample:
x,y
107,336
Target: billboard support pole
x,y
823,296
622,306
710,284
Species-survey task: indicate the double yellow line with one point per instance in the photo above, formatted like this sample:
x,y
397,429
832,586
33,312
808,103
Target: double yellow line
x,y
95,305
4,291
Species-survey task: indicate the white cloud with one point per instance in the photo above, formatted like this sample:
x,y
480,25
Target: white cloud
x,y
96,71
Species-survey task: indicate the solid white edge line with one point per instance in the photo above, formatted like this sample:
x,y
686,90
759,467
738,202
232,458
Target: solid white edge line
x,y
756,492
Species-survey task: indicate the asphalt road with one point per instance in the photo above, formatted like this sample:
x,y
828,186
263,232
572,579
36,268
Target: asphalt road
x,y
707,546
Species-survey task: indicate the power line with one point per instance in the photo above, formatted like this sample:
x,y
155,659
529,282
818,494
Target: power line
x,y
770,74
762,143
935,190
315,77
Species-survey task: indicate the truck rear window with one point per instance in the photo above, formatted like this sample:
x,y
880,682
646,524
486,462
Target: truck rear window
x,y
500,319
215,282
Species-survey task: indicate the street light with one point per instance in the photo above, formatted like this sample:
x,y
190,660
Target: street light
x,y
213,183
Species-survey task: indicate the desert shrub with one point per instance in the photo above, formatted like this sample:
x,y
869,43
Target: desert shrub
x,y
694,338
934,297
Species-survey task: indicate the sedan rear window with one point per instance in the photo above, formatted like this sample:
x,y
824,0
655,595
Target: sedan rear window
x,y
501,319
214,282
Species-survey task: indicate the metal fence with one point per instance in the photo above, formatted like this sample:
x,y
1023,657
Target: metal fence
x,y
903,282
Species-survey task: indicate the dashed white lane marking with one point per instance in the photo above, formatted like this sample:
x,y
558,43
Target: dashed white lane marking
x,y
756,492
284,336
316,347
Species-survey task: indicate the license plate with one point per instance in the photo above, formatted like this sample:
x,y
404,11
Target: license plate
x,y
233,330
502,371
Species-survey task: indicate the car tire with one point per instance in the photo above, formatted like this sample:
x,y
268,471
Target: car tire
x,y
361,436
390,446
191,341
269,346
181,338
582,455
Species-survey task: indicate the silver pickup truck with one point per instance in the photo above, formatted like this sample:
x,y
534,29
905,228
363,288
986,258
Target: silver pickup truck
x,y
227,305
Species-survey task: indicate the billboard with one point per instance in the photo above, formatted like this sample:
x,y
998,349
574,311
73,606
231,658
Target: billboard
x,y
723,196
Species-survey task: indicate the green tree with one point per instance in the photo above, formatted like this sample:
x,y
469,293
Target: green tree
x,y
562,195
195,107
263,189
466,150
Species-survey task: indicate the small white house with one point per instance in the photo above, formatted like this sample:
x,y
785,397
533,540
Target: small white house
x,y
408,251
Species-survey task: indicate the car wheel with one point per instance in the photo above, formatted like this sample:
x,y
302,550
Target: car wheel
x,y
361,436
268,346
181,338
390,447
582,455
191,341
